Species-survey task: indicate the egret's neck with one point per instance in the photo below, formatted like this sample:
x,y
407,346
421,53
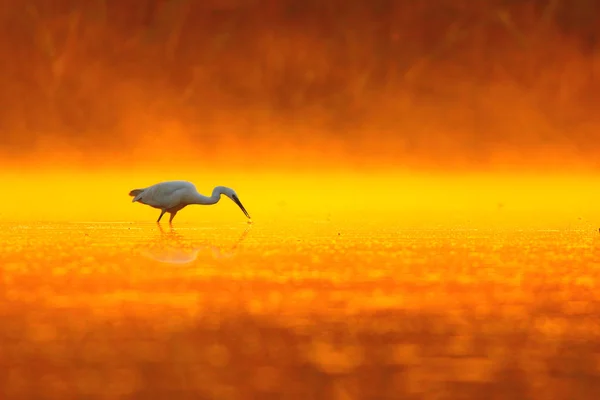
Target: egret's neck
x,y
201,199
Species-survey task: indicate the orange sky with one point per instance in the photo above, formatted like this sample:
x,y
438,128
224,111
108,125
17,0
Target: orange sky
x,y
240,82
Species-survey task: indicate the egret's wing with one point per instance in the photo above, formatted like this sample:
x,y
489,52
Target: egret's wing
x,y
162,195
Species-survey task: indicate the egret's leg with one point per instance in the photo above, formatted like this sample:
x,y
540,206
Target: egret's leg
x,y
173,214
161,214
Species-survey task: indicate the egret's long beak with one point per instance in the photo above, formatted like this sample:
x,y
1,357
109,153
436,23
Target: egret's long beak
x,y
239,203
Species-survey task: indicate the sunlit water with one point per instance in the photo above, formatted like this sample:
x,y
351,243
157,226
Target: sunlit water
x,y
311,310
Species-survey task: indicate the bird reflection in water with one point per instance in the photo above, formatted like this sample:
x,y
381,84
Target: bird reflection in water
x,y
173,248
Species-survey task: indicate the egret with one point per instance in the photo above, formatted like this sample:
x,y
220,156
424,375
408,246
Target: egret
x,y
172,196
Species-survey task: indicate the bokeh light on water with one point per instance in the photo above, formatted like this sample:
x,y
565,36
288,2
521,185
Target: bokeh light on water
x,y
323,311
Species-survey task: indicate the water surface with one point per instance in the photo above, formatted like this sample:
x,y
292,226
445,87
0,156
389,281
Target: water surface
x,y
297,311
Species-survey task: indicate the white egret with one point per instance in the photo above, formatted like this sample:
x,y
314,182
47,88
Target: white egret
x,y
172,196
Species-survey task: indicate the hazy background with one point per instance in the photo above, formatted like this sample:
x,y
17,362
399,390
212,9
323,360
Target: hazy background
x,y
431,85
402,109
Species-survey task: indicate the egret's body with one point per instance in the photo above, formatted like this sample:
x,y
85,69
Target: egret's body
x,y
172,196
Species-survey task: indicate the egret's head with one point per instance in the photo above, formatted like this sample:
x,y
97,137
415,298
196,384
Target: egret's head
x,y
233,196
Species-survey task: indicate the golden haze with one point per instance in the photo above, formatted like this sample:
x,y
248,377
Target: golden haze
x,y
400,198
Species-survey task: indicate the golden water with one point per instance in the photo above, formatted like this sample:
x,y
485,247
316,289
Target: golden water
x,y
316,309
